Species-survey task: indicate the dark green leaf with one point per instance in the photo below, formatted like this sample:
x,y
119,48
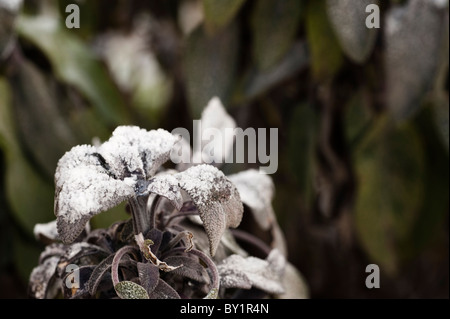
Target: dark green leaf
x,y
274,27
326,55
390,172
39,118
20,177
209,66
434,210
259,82
302,143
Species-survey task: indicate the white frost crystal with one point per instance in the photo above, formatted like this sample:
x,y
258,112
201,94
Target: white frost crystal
x,y
246,272
256,191
46,230
215,117
91,179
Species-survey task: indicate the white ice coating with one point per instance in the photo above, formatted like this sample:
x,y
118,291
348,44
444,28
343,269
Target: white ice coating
x,y
247,272
47,230
216,198
256,191
166,185
214,116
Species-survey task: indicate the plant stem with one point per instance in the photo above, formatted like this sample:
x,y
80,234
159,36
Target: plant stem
x,y
141,222
154,206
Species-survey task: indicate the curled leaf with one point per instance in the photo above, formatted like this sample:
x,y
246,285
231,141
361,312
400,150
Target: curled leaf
x,y
246,272
144,246
216,198
98,273
130,290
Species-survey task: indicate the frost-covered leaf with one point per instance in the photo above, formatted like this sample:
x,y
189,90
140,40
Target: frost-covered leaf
x,y
52,250
230,278
267,275
148,276
215,119
167,186
135,151
348,20
84,188
41,278
46,232
412,53
91,179
130,290
256,191
216,198
164,291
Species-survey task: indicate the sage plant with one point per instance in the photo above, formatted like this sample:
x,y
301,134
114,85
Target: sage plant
x,y
180,241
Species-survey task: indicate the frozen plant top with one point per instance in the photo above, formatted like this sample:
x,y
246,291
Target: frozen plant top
x,y
92,179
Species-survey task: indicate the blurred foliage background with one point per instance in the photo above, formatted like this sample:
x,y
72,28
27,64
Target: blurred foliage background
x,y
362,116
